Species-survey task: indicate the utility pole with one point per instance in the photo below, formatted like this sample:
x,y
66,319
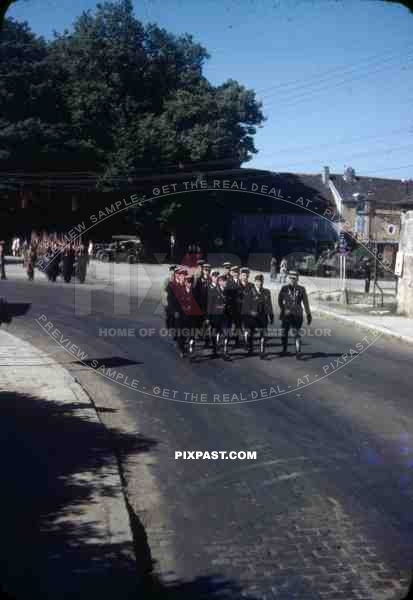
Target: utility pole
x,y
373,229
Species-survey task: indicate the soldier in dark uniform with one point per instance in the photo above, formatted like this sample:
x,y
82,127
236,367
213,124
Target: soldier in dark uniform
x,y
31,259
189,315
214,279
233,293
164,297
53,267
258,311
82,261
227,270
291,299
244,292
200,291
219,315
198,271
173,294
68,262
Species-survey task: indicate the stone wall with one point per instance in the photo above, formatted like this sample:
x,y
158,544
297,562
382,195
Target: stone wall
x,y
405,286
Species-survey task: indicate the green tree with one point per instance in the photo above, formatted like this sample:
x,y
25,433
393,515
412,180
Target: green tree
x,y
4,7
139,96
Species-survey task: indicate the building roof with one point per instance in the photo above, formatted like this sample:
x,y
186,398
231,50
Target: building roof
x,y
383,192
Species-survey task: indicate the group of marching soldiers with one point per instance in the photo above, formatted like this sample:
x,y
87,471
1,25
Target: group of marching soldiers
x,y
56,258
220,306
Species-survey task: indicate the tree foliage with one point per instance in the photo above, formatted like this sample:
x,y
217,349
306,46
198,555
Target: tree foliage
x,y
116,97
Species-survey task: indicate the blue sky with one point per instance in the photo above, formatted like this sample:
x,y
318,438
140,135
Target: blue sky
x,y
335,76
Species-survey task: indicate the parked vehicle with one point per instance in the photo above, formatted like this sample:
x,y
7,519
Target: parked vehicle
x,y
126,251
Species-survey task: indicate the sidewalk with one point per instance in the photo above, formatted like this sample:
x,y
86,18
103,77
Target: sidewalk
x,y
65,530
396,326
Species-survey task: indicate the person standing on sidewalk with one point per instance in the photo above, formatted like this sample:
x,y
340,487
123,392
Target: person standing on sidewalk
x,y
366,267
2,260
283,270
291,299
273,269
90,251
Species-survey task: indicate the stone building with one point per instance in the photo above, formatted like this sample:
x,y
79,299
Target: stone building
x,y
404,267
372,207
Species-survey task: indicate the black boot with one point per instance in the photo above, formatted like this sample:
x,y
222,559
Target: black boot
x,y
298,349
262,348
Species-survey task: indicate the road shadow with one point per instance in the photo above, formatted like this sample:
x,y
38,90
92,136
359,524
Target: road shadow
x,y
311,355
109,362
50,547
212,587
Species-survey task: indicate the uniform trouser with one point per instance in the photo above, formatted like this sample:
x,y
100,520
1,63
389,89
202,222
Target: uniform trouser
x,y
294,324
186,330
205,330
250,326
67,269
236,322
169,319
54,272
220,328
81,269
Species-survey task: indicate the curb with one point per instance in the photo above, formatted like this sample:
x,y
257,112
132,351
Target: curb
x,y
118,525
363,324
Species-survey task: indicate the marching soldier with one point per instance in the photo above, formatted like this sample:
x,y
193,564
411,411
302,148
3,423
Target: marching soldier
x,y
214,279
291,299
227,270
68,262
174,293
201,287
189,315
164,297
53,266
244,293
82,262
219,315
258,312
198,270
31,259
233,294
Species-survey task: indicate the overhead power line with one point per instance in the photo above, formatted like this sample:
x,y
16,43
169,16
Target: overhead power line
x,y
338,70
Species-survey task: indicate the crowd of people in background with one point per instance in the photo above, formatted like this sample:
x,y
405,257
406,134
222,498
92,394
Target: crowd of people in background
x,y
52,255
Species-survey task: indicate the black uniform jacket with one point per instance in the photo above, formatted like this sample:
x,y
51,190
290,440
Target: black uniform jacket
x,y
218,303
258,304
291,300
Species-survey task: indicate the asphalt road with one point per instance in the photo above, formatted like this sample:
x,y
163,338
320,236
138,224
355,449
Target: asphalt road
x,y
325,509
